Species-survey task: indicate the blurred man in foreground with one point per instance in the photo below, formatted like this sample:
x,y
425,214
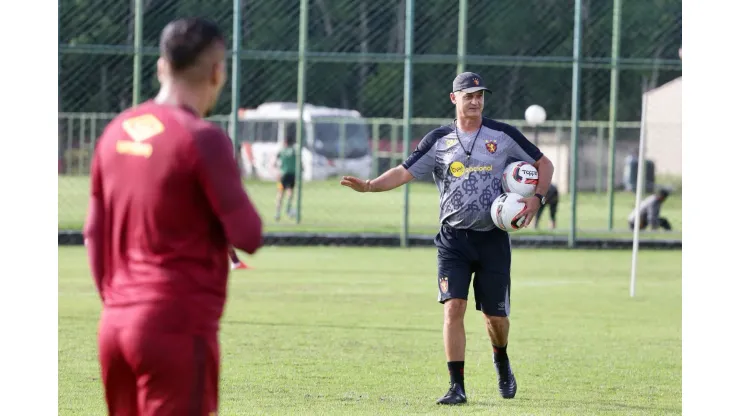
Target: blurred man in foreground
x,y
166,203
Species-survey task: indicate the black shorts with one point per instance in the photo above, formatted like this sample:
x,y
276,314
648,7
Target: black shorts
x,y
484,257
287,181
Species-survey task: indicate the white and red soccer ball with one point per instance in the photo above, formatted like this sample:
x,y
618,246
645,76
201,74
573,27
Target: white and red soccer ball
x,y
504,209
519,180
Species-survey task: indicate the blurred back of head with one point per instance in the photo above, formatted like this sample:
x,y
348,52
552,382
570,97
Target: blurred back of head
x,y
193,53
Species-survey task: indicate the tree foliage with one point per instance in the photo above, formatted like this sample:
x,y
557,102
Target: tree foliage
x,y
96,56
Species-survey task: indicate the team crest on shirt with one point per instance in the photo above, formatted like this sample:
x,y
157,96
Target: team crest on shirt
x,y
139,129
491,146
143,127
450,142
443,284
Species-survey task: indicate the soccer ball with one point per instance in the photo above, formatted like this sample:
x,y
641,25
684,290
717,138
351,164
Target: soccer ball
x,y
520,178
505,208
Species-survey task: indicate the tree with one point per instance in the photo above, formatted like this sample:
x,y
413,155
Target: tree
x,y
96,62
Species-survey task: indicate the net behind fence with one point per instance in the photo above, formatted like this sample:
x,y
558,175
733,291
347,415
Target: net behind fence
x,y
354,94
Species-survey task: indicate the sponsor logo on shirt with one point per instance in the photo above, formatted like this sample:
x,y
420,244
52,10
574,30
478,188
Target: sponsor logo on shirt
x,y
457,169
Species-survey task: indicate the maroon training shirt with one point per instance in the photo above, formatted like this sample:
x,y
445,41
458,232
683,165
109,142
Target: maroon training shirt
x,y
166,201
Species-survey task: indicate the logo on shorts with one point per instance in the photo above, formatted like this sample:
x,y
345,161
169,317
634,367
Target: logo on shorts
x,y
443,284
491,146
502,306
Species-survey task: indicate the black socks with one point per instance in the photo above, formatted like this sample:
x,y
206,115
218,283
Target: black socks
x,y
499,354
457,372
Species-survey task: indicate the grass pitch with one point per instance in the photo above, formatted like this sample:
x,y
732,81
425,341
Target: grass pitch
x,y
329,207
358,331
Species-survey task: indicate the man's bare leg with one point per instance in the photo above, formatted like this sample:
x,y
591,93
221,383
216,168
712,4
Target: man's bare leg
x,y
498,329
453,333
454,329
279,203
289,208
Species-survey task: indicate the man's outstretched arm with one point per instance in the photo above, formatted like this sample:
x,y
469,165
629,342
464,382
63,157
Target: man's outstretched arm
x,y
419,163
391,179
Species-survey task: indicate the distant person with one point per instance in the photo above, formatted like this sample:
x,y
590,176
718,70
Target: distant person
x,y
630,162
649,210
286,160
551,199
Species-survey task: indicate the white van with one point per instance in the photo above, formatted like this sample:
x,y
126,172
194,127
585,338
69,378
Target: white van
x,y
325,154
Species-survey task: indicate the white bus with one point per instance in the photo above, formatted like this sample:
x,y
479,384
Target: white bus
x,y
336,141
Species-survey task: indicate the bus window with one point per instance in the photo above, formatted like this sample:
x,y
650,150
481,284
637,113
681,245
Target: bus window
x,y
327,136
261,131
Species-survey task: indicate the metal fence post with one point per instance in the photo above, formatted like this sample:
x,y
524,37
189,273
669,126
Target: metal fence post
x,y
376,142
394,144
342,141
236,75
462,35
613,103
302,40
407,110
138,49
600,159
575,117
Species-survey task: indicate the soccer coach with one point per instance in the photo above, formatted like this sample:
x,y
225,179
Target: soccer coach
x,y
467,159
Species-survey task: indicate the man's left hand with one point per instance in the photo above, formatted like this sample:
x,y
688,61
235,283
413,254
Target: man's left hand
x,y
533,205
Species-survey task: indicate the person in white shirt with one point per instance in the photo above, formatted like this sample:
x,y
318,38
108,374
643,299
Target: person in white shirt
x,y
649,212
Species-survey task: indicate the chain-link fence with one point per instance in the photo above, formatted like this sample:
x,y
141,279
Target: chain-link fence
x,y
354,93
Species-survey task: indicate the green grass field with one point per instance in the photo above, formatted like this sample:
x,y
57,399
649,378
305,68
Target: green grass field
x,y
329,207
358,331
